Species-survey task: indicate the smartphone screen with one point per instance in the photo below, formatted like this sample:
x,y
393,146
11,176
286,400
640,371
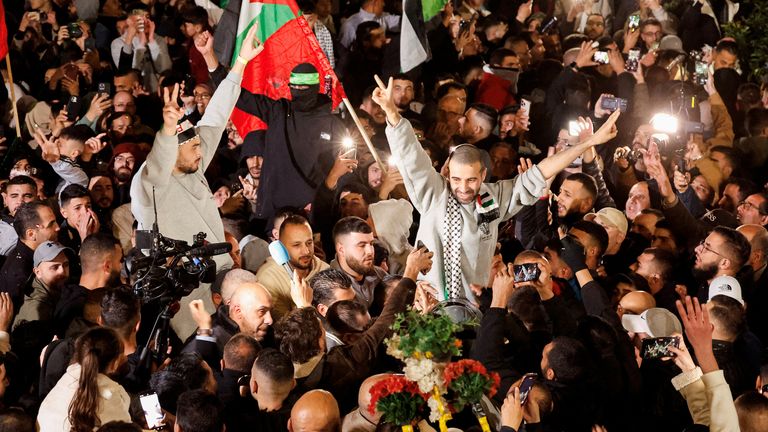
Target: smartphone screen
x,y
150,404
601,57
633,60
573,128
526,272
634,22
526,386
348,154
654,348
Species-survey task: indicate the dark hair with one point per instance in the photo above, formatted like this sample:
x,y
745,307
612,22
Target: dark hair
x,y
307,6
95,248
20,180
119,426
343,316
736,244
587,181
568,359
95,351
121,310
595,231
729,314
498,55
749,94
447,87
325,283
402,77
363,33
525,304
649,21
27,217
380,253
756,121
189,366
357,188
123,73
76,132
727,45
752,410
292,219
299,333
486,112
168,385
200,411
348,225
71,192
746,186
195,15
16,420
275,365
652,211
240,352
664,261
730,153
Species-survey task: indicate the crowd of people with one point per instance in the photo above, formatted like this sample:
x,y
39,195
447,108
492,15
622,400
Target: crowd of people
x,y
581,183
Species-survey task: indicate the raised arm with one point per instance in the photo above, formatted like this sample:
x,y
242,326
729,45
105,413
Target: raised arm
x,y
420,179
559,161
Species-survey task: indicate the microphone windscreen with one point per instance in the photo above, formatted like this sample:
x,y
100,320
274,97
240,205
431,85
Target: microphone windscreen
x,y
278,252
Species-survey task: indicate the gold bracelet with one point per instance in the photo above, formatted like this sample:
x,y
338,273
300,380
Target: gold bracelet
x,y
242,61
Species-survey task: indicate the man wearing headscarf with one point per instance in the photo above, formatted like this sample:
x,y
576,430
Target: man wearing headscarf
x,y
300,141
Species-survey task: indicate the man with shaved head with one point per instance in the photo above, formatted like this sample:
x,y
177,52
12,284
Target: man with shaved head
x,y
248,312
316,411
756,295
360,419
636,302
460,215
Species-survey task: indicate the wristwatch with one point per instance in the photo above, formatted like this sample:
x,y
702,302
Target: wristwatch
x,y
204,332
574,66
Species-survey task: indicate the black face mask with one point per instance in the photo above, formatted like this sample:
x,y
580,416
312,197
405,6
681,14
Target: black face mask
x,y
305,100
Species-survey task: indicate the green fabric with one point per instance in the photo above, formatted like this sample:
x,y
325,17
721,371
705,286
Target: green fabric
x,y
304,78
430,8
269,16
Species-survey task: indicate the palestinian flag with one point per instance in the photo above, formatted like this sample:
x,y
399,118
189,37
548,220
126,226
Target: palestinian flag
x,y
288,41
3,32
414,48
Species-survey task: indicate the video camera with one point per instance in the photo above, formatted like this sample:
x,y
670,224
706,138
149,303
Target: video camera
x,y
173,268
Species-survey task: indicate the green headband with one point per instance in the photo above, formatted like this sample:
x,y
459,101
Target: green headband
x,y
304,78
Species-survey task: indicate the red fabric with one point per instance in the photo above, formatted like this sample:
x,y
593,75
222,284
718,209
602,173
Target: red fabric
x,y
3,32
494,91
197,66
268,73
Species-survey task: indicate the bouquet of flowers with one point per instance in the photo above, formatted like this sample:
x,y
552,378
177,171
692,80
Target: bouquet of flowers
x,y
425,343
399,401
429,336
467,381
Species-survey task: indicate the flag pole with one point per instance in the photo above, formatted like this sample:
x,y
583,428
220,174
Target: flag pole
x,y
367,139
13,94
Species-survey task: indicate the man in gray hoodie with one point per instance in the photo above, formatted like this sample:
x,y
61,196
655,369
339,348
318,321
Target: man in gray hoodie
x,y
173,177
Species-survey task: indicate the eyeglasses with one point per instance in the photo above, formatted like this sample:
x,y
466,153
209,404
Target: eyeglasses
x,y
49,225
201,95
705,246
750,206
652,34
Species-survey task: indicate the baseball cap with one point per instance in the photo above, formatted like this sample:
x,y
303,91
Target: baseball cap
x,y
47,252
727,286
672,43
720,217
610,216
656,322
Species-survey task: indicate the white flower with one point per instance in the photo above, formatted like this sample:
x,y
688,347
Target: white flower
x,y
424,373
393,347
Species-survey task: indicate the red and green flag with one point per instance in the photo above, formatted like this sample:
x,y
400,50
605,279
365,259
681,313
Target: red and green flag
x,y
288,41
3,33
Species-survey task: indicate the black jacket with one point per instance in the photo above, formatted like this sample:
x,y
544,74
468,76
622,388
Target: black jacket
x,y
16,269
300,150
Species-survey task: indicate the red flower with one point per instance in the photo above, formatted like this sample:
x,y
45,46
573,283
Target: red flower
x,y
471,380
393,385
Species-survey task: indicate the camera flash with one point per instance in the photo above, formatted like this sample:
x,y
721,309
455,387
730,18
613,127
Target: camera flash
x,y
664,123
348,142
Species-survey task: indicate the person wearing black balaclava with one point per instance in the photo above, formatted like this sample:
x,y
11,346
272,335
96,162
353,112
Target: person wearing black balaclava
x,y
302,140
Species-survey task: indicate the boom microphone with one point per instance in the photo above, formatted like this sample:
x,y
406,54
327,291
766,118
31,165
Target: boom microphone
x,y
210,249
